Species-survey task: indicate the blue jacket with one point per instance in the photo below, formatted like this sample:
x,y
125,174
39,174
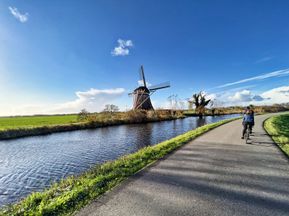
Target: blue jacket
x,y
248,118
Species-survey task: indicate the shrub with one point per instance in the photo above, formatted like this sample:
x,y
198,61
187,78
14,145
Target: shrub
x,y
83,115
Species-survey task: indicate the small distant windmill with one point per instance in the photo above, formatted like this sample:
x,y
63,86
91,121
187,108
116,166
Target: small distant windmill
x,y
141,95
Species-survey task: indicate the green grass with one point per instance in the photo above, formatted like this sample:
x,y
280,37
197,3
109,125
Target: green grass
x,y
7,123
70,194
278,128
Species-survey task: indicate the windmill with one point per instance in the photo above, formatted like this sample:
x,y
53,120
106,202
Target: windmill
x,y
141,95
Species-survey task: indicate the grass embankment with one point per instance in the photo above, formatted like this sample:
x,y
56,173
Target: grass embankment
x,y
65,197
278,128
15,127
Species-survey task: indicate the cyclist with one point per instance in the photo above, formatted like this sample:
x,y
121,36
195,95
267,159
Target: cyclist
x,y
252,116
248,121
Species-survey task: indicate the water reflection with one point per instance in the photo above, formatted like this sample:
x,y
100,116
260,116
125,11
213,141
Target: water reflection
x,y
201,121
32,163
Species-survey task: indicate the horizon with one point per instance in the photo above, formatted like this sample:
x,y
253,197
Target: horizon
x,y
61,57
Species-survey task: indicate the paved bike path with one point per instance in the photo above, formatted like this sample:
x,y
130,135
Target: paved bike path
x,y
215,174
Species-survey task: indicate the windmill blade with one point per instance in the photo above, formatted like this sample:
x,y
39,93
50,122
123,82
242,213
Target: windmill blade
x,y
160,86
143,76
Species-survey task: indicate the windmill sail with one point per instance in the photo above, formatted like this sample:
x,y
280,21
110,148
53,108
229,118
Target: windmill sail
x,y
159,86
143,76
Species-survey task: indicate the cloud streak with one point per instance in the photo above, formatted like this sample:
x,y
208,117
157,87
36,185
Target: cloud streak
x,y
123,48
20,17
278,73
268,58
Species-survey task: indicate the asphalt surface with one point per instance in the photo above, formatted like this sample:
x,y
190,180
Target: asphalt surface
x,y
215,174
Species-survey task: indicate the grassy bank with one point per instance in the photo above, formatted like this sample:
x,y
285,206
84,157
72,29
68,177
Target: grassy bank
x,y
278,128
15,127
65,197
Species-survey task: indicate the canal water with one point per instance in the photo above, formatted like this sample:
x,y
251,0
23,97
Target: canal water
x,y
33,163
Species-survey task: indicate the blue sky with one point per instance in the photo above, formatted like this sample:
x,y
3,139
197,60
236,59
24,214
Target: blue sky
x,y
57,56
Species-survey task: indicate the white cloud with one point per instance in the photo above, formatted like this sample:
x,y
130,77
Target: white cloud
x,y
273,96
162,104
278,73
245,96
21,17
175,103
277,95
141,83
241,96
211,96
258,98
123,48
92,100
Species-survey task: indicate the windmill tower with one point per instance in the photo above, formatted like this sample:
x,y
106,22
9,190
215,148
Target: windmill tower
x,y
141,95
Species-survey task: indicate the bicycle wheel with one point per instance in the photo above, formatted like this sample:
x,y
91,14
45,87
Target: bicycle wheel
x,y
247,135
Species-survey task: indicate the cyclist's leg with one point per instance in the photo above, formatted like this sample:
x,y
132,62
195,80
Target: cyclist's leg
x,y
250,127
244,129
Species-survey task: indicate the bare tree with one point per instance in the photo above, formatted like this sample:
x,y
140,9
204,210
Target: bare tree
x,y
200,102
182,104
216,104
83,115
173,100
190,103
111,108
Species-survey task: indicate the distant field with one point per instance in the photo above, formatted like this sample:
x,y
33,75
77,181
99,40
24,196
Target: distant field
x,y
35,121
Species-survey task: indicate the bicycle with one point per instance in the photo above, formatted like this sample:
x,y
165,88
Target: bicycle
x,y
247,133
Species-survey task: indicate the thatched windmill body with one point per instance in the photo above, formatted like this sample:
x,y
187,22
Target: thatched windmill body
x,y
141,95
